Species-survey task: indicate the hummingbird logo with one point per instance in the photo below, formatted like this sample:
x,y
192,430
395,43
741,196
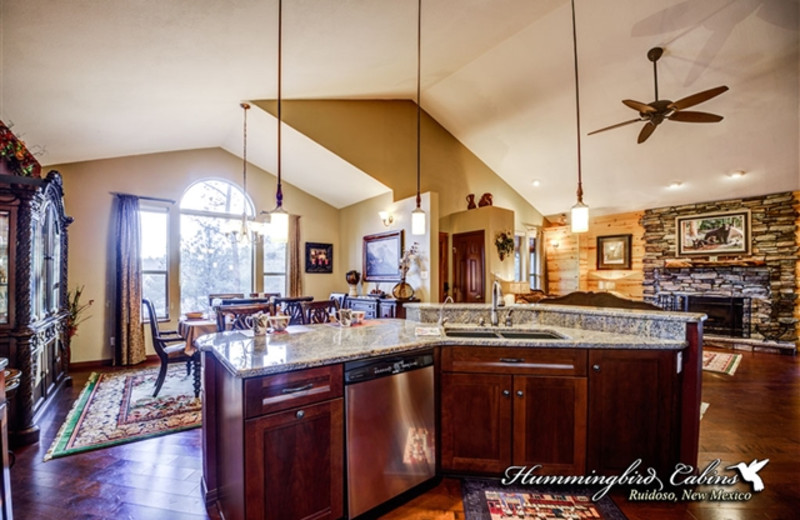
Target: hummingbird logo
x,y
749,472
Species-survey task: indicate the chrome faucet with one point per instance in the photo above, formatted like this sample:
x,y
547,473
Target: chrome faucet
x,y
497,301
509,322
442,319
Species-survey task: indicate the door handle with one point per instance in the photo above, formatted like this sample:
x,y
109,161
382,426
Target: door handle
x,y
520,393
294,390
596,368
506,393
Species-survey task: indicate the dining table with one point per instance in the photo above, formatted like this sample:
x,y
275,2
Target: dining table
x,y
193,328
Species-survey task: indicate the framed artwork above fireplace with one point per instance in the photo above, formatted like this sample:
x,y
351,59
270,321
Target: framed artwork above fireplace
x,y
712,234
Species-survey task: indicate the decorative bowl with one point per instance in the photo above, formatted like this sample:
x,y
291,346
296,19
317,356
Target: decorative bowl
x,y
358,317
279,323
194,315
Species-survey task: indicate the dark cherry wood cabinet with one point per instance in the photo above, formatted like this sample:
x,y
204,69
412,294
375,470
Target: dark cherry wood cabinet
x,y
513,406
634,398
274,445
33,294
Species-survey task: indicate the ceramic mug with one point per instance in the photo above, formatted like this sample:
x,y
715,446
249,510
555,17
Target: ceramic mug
x,y
345,317
260,323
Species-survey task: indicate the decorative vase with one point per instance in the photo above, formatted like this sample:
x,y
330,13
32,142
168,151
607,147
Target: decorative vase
x,y
471,201
403,291
486,200
352,278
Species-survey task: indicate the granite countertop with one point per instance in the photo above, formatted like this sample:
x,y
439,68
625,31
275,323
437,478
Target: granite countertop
x,y
305,346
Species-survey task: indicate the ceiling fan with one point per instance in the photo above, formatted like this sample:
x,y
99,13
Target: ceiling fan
x,y
655,112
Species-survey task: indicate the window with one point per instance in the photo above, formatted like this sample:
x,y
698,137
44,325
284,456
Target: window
x,y
213,260
154,221
518,275
534,265
274,266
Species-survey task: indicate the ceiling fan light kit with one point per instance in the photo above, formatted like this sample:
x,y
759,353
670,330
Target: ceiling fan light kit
x,y
655,112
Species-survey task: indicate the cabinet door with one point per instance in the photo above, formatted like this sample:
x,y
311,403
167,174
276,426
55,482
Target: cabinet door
x,y
632,410
550,424
294,463
476,422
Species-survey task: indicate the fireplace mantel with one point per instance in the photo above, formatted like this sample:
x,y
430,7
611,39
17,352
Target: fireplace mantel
x,y
684,263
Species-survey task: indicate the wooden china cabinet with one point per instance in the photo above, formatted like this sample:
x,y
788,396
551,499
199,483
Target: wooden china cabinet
x,y
33,291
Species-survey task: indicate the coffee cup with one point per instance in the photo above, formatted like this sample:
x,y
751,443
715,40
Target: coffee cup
x,y
345,317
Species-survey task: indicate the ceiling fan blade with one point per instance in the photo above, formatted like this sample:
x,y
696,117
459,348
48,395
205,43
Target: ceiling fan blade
x,y
698,98
638,106
615,126
695,117
647,129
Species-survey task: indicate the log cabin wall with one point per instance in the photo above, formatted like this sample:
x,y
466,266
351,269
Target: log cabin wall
x,y
571,259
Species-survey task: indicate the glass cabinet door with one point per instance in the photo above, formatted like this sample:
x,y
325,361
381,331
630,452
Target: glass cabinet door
x,y
5,230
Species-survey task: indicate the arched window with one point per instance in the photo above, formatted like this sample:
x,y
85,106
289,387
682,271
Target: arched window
x,y
212,260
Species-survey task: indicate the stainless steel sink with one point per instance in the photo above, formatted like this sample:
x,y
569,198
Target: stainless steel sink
x,y
471,334
502,334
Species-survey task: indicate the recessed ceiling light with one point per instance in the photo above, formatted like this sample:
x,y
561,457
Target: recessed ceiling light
x,y
675,185
738,174
536,183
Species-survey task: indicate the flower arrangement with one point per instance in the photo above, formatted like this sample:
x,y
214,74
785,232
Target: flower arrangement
x,y
408,258
14,152
504,241
76,309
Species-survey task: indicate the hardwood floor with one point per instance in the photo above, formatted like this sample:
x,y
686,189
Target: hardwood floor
x,y
754,414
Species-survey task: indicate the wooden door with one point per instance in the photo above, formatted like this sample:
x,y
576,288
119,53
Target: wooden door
x,y
444,272
632,410
476,422
468,267
550,424
294,463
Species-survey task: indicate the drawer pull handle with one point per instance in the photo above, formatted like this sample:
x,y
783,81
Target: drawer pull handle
x,y
506,393
294,390
511,360
300,414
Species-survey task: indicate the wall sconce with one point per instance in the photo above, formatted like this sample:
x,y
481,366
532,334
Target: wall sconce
x,y
386,217
554,244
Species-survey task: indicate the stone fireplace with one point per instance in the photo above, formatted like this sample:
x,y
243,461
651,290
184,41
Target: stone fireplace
x,y
743,296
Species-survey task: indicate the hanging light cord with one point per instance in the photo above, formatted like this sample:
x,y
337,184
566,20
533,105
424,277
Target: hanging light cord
x,y
246,107
577,102
279,191
419,109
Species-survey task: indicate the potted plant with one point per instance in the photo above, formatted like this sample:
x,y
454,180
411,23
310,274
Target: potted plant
x,y
76,312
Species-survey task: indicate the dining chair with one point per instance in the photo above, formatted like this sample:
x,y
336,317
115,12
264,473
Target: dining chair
x,y
292,307
340,298
223,296
240,317
318,311
170,347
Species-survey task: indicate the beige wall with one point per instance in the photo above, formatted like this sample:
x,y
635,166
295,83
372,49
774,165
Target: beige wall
x,y
362,219
379,137
87,199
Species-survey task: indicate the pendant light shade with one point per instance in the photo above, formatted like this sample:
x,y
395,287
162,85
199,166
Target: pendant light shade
x,y
279,218
580,211
418,215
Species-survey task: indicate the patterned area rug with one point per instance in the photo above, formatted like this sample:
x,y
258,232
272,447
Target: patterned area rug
x,y
721,362
490,500
119,407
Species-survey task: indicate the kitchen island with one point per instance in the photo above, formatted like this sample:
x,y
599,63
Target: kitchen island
x,y
609,387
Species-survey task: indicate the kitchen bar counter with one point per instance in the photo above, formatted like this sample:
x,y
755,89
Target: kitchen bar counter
x,y
307,346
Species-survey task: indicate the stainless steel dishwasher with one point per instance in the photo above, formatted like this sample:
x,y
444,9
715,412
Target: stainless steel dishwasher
x,y
390,428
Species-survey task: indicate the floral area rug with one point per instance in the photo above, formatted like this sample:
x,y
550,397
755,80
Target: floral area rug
x,y
490,500
119,407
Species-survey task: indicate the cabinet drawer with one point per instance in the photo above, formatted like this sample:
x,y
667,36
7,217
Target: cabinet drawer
x,y
511,360
269,394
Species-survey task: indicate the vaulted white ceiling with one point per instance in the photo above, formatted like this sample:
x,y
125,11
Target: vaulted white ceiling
x,y
90,79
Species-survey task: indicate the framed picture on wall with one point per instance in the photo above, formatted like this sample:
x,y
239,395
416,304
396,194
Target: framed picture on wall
x,y
614,252
319,257
714,233
381,256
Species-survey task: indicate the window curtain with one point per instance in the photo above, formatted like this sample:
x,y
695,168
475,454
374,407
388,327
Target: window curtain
x,y
129,348
295,269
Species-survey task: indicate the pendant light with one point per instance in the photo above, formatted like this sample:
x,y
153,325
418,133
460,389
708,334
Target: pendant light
x,y
242,230
418,215
279,218
579,221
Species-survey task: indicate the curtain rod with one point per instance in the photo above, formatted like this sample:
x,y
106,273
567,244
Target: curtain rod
x,y
140,197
